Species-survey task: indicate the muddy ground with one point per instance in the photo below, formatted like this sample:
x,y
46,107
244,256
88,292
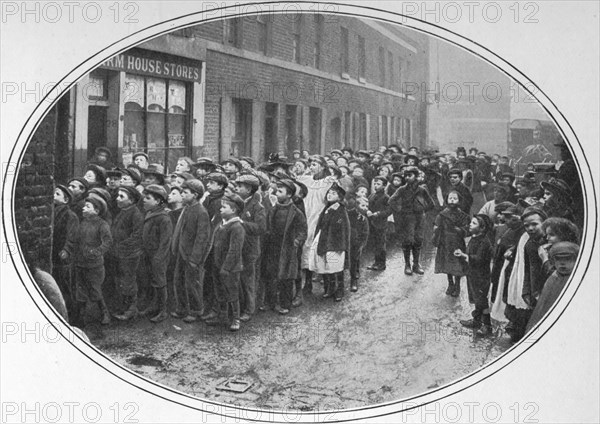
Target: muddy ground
x,y
397,336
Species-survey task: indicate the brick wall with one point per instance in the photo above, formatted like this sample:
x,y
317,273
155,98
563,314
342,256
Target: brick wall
x,y
34,195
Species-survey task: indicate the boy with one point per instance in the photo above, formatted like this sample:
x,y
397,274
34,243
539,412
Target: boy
x,y
93,240
410,202
175,204
564,256
478,257
359,234
378,213
156,240
64,235
228,245
126,250
78,188
286,234
254,221
190,246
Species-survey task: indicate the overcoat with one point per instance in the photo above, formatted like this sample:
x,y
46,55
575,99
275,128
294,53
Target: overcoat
x,y
228,243
92,242
254,221
192,234
66,224
334,226
283,264
126,230
450,229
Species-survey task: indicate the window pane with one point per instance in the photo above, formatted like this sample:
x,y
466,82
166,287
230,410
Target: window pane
x,y
176,97
156,99
134,133
156,130
134,90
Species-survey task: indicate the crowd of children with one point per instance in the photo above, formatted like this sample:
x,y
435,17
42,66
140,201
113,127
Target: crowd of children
x,y
219,242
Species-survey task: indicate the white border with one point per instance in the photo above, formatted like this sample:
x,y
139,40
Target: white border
x,y
155,410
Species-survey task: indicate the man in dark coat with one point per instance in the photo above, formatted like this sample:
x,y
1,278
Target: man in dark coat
x,y
455,176
568,173
190,244
78,188
66,224
126,230
286,234
378,212
411,201
254,221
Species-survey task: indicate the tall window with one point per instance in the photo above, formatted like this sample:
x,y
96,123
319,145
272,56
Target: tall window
x,y
319,22
382,66
156,118
348,129
314,125
296,31
345,63
362,57
362,130
407,132
384,130
233,32
264,33
400,75
241,130
291,129
390,71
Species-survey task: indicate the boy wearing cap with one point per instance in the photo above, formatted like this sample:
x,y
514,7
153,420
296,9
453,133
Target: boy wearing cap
x,y
190,246
140,159
78,188
410,202
92,241
254,221
156,241
286,234
564,257
478,257
378,212
359,234
64,235
228,247
126,230
232,167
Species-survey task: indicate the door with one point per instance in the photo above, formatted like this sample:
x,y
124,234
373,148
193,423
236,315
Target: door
x,y
96,129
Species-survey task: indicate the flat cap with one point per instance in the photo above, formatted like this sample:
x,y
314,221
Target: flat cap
x,y
217,177
157,190
131,192
563,249
249,179
235,200
194,185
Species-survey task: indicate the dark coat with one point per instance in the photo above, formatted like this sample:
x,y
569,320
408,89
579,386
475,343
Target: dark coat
x,y
334,226
378,204
480,254
359,229
411,199
93,240
126,230
450,229
157,234
192,234
228,244
254,221
64,235
534,277
212,203
284,263
77,206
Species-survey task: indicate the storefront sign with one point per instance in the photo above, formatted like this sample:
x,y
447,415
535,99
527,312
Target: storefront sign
x,y
155,64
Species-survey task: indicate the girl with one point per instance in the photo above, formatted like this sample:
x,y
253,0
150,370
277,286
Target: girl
x,y
449,232
478,257
331,243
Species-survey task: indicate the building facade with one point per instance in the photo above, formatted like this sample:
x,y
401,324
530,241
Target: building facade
x,y
251,86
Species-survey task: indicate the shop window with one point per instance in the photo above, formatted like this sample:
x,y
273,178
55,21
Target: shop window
x,y
156,119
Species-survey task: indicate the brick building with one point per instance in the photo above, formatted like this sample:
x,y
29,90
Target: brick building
x,y
250,86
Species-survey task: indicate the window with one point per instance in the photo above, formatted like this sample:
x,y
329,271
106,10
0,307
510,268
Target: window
x,y
382,66
348,129
407,132
98,86
319,20
233,32
398,130
296,30
384,130
362,57
362,130
390,79
264,34
345,65
400,76
241,131
291,129
314,125
156,118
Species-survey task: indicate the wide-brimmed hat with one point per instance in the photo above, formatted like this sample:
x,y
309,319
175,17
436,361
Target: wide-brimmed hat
x,y
557,186
288,183
156,169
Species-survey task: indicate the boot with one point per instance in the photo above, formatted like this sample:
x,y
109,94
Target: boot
x,y
152,307
339,291
353,285
235,321
416,251
486,329
105,314
473,323
328,283
131,311
298,299
407,268
162,306
210,315
219,317
456,291
450,288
